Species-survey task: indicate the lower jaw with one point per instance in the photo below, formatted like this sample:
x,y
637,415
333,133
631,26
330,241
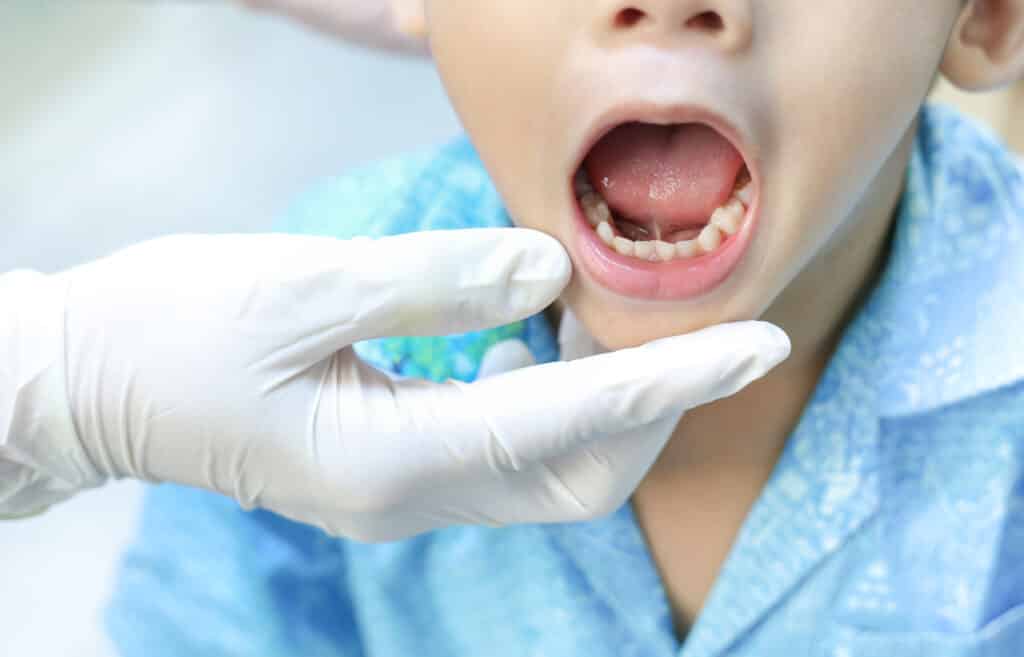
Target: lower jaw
x,y
675,280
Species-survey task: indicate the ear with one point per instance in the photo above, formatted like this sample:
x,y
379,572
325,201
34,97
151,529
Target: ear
x,y
986,48
410,18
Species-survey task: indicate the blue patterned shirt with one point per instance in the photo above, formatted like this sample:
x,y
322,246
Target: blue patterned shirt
x,y
892,526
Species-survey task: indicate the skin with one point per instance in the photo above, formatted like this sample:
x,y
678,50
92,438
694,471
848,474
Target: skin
x,y
1003,110
828,124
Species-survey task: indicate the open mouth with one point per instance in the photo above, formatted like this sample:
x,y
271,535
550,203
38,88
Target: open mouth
x,y
665,209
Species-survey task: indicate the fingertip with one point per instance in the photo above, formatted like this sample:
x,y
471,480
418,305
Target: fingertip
x,y
778,339
550,256
445,282
541,270
766,343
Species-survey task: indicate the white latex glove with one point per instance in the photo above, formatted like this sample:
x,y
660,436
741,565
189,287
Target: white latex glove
x,y
390,24
225,363
603,473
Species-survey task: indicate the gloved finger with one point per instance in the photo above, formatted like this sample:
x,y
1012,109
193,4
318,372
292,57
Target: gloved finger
x,y
600,476
590,482
443,282
536,413
323,295
597,478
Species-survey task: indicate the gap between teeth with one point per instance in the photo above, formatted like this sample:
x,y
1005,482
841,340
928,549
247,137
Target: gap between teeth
x,y
724,221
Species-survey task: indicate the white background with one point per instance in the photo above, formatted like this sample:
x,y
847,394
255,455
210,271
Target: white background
x,y
120,122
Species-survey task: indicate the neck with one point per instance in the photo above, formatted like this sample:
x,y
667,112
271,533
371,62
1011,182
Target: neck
x,y
752,426
834,285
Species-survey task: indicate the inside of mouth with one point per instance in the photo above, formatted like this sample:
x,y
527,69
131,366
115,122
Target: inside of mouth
x,y
665,184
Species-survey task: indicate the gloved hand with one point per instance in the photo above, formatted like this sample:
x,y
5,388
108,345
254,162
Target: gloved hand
x,y
599,474
225,363
391,24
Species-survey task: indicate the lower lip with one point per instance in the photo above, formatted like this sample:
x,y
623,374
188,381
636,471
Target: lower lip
x,y
664,281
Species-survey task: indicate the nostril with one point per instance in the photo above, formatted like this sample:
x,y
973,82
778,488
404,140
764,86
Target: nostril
x,y
708,21
629,17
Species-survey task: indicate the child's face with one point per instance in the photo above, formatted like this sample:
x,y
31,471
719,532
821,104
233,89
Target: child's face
x,y
810,99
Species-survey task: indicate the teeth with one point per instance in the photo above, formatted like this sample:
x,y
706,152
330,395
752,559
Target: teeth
x,y
645,250
595,209
687,248
745,194
728,217
665,250
623,246
724,222
710,238
581,185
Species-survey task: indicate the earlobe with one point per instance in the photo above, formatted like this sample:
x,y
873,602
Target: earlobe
x,y
986,48
410,18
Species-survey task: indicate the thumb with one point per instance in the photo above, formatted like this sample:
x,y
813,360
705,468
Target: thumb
x,y
324,295
443,282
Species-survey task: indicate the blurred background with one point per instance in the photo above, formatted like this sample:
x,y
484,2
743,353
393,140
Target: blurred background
x,y
120,122
1002,110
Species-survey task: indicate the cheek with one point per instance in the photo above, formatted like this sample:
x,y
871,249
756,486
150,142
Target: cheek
x,y
502,82
844,98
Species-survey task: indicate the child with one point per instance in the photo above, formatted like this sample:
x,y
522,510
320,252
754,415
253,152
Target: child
x,y
702,161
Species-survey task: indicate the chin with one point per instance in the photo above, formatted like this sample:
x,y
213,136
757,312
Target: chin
x,y
622,323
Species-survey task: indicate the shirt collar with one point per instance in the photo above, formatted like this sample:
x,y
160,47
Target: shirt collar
x,y
948,309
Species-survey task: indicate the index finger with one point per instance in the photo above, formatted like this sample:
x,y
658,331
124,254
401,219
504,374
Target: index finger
x,y
536,413
444,282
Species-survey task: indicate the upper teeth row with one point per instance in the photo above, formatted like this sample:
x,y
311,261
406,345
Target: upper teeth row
x,y
724,221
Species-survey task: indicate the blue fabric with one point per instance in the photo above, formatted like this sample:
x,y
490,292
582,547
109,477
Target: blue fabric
x,y
893,524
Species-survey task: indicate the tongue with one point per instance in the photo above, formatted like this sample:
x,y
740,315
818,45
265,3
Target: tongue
x,y
664,178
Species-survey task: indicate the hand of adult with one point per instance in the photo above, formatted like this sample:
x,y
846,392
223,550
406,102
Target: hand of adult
x,y
225,362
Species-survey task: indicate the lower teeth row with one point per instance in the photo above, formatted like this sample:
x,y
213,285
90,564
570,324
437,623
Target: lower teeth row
x,y
725,221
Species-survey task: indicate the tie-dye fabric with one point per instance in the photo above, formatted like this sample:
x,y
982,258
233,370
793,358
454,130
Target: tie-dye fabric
x,y
893,525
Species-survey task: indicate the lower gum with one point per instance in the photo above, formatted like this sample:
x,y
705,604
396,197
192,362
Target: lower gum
x,y
681,236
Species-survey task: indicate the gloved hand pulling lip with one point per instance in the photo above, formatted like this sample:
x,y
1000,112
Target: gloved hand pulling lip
x,y
241,380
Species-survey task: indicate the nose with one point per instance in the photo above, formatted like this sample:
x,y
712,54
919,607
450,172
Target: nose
x,y
725,24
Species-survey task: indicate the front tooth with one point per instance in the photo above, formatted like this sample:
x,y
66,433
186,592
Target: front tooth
x,y
623,246
645,250
581,184
709,238
665,250
605,232
745,194
728,217
687,248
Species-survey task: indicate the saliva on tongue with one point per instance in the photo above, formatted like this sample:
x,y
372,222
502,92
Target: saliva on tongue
x,y
664,180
